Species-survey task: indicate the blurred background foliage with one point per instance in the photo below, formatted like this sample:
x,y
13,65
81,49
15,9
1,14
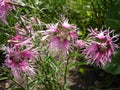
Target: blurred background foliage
x,y
83,13
113,16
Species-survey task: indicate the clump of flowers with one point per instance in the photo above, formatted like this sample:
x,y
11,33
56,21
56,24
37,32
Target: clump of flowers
x,y
100,47
5,6
61,37
20,55
18,60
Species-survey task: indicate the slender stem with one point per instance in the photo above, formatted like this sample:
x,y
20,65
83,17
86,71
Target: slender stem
x,y
65,75
18,84
25,6
9,77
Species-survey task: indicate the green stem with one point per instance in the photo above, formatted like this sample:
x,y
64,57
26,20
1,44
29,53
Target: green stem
x,y
26,6
18,84
65,75
9,77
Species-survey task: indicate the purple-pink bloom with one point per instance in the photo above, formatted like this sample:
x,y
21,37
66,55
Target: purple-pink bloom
x,y
4,9
21,55
100,47
60,36
52,28
57,45
73,35
16,39
19,61
101,36
80,43
28,54
65,24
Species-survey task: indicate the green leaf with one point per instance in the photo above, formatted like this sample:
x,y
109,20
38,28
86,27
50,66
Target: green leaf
x,y
76,64
114,67
113,23
3,78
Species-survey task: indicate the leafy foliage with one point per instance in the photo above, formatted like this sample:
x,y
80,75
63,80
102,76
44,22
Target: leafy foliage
x,y
114,67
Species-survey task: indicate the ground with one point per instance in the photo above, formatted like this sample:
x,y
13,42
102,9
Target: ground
x,y
93,79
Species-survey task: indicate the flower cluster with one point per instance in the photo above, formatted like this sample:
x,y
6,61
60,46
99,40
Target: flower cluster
x,y
100,47
20,55
61,37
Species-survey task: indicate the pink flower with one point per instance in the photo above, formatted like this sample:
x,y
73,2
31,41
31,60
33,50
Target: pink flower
x,y
28,54
21,53
4,9
65,46
101,36
20,69
97,34
52,28
65,24
100,51
61,38
59,46
55,43
73,35
16,39
80,43
19,61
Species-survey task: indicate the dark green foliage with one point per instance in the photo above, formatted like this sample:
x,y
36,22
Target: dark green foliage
x,y
114,67
113,16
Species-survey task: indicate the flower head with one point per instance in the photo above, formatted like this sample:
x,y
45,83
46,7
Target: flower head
x,y
60,36
18,59
21,55
100,48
